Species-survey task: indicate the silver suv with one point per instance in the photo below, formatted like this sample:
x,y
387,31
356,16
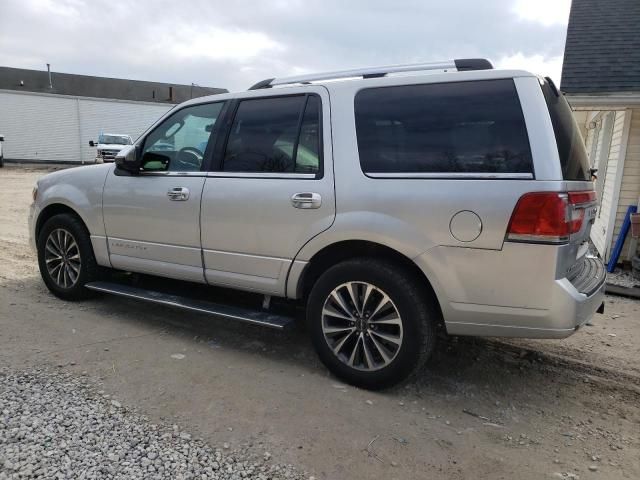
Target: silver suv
x,y
387,202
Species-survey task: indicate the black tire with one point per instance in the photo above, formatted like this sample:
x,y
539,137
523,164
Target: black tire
x,y
415,306
88,268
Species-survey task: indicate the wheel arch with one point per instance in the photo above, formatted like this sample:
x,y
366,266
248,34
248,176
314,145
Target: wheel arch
x,y
56,209
343,250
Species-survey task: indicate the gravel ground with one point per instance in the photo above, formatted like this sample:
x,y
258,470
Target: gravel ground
x,y
57,425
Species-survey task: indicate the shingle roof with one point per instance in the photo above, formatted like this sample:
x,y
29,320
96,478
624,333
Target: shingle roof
x,y
99,87
602,53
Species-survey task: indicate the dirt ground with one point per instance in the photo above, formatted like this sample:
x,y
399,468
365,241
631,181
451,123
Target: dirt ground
x,y
483,408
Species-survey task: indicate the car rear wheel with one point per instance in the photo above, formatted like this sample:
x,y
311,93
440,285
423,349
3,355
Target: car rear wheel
x,y
371,323
65,257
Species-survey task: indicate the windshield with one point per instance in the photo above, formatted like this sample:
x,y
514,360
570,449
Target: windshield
x,y
115,139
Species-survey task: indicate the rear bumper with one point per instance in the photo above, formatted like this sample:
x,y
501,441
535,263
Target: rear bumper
x,y
568,312
513,292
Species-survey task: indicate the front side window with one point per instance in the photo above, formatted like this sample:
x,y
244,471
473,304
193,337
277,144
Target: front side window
x,y
466,127
179,143
275,135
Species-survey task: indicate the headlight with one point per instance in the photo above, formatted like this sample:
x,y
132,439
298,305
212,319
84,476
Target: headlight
x,y
34,193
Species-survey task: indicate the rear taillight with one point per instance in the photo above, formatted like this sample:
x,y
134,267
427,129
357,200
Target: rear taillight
x,y
548,217
582,198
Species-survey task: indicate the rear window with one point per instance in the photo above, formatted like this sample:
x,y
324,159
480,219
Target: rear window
x,y
465,127
573,155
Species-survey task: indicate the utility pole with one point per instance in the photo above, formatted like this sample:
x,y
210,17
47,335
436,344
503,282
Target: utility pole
x,y
49,73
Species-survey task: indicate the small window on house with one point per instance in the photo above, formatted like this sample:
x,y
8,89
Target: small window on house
x,y
458,127
276,135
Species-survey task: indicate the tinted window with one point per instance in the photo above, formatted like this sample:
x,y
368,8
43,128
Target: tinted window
x,y
275,135
474,127
573,155
181,139
308,151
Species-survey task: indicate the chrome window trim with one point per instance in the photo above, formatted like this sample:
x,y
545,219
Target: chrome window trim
x,y
173,174
282,175
455,175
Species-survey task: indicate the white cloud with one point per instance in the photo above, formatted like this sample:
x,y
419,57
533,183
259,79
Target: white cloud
x,y
219,44
538,64
54,8
216,44
546,12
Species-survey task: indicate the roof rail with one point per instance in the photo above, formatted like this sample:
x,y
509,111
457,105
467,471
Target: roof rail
x,y
462,64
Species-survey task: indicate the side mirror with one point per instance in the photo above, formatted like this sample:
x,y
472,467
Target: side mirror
x,y
128,159
1,138
92,143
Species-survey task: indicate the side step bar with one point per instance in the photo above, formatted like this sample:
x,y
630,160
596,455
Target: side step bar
x,y
256,317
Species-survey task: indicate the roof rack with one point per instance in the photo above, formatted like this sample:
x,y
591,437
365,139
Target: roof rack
x,y
461,64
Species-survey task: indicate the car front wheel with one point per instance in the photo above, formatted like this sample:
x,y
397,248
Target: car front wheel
x,y
65,257
371,322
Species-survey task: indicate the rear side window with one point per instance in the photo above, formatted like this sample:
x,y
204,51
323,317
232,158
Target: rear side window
x,y
276,135
573,155
458,127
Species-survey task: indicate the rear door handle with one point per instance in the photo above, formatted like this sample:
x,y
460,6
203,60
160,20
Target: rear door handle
x,y
306,200
178,194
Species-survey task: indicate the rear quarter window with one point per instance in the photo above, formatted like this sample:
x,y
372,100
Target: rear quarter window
x,y
573,155
456,127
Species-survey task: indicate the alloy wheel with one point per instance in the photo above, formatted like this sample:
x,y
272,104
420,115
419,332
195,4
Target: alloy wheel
x,y
62,257
362,326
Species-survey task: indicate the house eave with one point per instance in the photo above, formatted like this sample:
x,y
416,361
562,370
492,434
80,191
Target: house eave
x,y
621,100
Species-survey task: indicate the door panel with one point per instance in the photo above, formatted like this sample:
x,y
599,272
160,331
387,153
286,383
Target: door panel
x,y
150,233
152,219
252,227
251,231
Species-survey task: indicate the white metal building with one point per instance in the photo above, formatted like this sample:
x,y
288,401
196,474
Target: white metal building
x,y
53,121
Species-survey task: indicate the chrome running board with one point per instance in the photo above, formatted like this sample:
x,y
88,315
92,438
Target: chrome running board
x,y
231,312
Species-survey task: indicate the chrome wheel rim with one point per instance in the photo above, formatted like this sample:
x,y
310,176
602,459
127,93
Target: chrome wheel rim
x,y
62,257
362,326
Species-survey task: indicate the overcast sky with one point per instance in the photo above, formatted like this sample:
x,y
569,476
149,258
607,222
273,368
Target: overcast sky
x,y
234,43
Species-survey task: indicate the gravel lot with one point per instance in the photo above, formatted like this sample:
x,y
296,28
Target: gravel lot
x,y
57,425
483,408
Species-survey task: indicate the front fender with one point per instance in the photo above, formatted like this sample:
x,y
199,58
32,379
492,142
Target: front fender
x,y
78,188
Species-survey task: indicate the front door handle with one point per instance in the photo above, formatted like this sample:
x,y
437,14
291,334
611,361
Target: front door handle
x,y
306,200
178,194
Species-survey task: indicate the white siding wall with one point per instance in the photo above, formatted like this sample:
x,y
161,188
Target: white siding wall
x,y
630,187
599,229
114,117
58,128
39,127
